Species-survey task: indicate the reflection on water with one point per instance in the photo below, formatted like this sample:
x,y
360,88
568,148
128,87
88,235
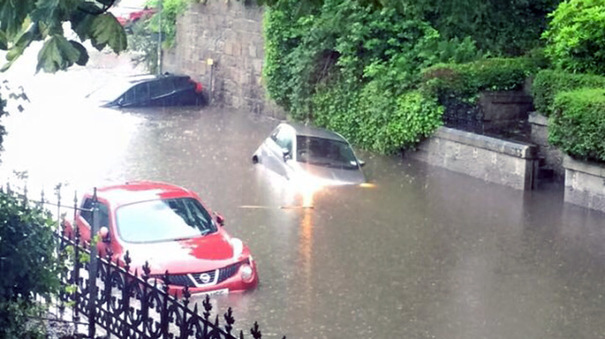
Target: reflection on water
x,y
419,253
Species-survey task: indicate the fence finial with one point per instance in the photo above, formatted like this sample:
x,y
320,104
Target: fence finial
x,y
207,306
146,271
229,320
127,261
255,331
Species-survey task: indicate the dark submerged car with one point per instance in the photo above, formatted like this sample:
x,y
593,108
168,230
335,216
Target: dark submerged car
x,y
150,90
310,156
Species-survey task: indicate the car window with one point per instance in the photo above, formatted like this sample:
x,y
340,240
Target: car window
x,y
180,82
137,93
161,87
86,212
283,138
325,152
163,220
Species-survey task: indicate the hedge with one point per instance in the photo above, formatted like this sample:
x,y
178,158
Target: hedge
x,y
28,264
466,81
548,83
382,122
578,123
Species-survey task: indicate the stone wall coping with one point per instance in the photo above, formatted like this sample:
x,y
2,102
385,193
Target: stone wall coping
x,y
515,149
538,119
584,166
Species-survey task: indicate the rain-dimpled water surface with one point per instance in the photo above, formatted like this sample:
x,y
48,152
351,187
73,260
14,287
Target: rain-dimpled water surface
x,y
419,253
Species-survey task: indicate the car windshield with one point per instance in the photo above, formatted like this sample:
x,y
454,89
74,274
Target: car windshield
x,y
325,152
163,220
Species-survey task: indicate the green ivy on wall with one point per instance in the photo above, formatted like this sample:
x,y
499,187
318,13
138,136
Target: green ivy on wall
x,y
351,67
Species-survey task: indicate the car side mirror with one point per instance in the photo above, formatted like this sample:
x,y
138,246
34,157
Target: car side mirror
x,y
219,219
286,153
104,234
361,163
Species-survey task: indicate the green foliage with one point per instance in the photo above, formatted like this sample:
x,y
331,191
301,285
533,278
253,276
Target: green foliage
x,y
144,45
497,27
578,123
350,65
548,83
170,10
57,53
105,30
23,22
504,28
382,122
27,261
312,56
466,81
458,51
576,36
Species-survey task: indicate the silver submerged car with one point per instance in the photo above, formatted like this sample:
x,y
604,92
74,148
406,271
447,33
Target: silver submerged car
x,y
310,155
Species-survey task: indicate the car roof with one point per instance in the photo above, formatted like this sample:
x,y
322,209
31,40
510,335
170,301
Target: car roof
x,y
311,131
132,192
134,79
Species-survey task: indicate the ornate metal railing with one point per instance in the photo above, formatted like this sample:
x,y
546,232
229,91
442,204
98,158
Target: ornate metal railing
x,y
131,306
125,304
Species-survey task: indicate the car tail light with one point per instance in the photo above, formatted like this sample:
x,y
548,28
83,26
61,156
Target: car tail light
x,y
198,86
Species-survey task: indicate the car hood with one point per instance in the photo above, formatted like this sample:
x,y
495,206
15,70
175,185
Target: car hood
x,y
329,176
195,254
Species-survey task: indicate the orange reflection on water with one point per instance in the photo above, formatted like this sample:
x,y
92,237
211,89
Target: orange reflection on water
x,y
306,239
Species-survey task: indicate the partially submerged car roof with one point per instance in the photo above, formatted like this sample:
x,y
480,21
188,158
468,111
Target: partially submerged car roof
x,y
312,131
133,79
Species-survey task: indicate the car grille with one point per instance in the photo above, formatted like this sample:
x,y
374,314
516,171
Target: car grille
x,y
227,272
193,279
180,280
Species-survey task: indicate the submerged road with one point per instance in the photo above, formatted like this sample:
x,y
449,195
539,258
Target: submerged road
x,y
422,253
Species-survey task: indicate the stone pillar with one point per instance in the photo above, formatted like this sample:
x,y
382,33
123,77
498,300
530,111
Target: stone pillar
x,y
584,183
220,43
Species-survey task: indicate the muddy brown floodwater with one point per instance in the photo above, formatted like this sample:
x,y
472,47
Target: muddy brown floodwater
x,y
420,253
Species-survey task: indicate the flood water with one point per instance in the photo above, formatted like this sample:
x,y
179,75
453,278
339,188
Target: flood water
x,y
421,253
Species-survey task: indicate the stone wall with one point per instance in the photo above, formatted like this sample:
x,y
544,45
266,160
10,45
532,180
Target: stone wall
x,y
494,160
584,184
220,43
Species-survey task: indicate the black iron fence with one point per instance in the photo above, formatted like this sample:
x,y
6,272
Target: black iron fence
x,y
123,303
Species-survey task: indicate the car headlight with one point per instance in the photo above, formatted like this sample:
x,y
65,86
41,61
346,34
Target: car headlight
x,y
246,272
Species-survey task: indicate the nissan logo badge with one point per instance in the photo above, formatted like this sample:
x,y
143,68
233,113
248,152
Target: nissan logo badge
x,y
205,278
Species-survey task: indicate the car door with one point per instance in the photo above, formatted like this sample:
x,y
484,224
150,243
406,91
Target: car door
x,y
162,92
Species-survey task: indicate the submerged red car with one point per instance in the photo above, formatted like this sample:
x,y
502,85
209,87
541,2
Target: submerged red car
x,y
170,228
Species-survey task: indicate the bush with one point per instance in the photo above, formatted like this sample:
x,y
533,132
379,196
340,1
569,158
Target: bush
x,y
382,122
27,262
578,123
466,81
548,83
576,36
144,44
343,42
171,9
